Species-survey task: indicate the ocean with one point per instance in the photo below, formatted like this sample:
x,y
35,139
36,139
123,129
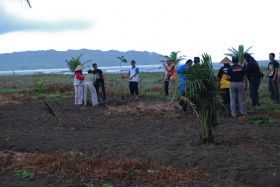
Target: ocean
x,y
111,69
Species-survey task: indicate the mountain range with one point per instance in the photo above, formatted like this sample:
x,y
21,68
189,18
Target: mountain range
x,y
52,59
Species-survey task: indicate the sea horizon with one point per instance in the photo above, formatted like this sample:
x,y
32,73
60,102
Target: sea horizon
x,y
105,69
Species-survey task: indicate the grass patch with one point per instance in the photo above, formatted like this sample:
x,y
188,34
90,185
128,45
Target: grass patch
x,y
13,90
269,106
261,120
26,174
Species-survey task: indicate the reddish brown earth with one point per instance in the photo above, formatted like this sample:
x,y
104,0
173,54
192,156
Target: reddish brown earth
x,y
149,129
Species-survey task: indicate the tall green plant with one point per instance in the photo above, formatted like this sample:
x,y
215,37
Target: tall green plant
x,y
75,61
175,57
238,53
203,96
49,109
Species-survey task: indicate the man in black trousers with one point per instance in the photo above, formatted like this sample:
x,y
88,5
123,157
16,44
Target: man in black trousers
x,y
99,82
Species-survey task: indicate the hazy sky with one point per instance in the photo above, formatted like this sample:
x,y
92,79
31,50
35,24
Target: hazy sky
x,y
190,26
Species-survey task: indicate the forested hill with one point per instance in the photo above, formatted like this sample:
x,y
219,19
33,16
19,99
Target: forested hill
x,y
51,59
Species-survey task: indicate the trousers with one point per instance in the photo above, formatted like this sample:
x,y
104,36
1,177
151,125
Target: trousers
x,y
89,87
237,92
79,94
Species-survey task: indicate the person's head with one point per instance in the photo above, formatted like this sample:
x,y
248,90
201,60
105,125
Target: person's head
x,y
189,62
94,66
248,58
271,56
234,60
133,63
90,71
170,61
196,60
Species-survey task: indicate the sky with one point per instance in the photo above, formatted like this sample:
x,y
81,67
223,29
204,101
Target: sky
x,y
190,26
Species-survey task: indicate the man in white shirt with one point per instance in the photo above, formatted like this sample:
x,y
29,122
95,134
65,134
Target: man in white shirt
x,y
133,75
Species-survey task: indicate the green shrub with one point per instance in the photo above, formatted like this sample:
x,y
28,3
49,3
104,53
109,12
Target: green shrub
x,y
260,120
27,174
39,86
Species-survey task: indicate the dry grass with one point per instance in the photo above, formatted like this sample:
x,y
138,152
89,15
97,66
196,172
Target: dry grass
x,y
146,108
77,165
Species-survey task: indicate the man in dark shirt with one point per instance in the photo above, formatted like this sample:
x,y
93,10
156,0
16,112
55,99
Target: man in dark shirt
x,y
99,82
236,77
273,77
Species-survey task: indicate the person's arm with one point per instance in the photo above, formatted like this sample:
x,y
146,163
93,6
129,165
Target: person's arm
x,y
126,76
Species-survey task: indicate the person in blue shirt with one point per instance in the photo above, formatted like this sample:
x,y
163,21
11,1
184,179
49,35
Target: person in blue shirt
x,y
182,72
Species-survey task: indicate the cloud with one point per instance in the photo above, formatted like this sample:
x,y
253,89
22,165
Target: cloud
x,y
12,23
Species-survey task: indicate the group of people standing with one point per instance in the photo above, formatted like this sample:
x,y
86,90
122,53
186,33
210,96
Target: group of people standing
x,y
233,81
169,77
95,80
90,82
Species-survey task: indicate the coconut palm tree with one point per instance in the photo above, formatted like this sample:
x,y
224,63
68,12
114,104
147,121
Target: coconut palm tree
x,y
75,61
203,97
238,53
174,56
28,2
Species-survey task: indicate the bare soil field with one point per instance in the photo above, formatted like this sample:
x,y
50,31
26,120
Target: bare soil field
x,y
145,142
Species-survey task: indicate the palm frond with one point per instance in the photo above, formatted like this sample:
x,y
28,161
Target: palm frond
x,y
175,57
122,59
28,2
49,109
238,53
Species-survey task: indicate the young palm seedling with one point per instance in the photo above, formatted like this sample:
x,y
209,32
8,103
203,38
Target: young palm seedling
x,y
122,60
203,97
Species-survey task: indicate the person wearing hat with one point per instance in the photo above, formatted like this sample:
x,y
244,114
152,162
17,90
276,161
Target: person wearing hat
x,y
78,83
171,69
224,82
